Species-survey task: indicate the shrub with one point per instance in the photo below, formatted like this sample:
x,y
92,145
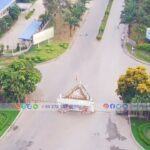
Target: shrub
x,y
34,59
29,14
99,37
22,56
63,45
144,47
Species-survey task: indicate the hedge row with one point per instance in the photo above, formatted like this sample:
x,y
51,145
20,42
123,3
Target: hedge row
x,y
104,21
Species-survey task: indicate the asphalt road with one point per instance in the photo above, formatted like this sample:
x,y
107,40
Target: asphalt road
x,y
98,66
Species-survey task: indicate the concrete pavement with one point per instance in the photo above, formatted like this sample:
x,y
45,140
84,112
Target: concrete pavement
x,y
98,66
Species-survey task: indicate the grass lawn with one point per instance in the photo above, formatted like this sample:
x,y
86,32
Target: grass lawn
x,y
45,52
6,119
143,55
141,132
140,54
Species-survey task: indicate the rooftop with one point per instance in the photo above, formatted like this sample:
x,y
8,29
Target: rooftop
x,y
31,30
78,92
5,3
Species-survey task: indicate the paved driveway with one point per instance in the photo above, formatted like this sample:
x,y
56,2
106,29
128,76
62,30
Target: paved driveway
x,y
98,66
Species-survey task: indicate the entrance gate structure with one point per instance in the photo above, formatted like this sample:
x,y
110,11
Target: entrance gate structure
x,y
77,99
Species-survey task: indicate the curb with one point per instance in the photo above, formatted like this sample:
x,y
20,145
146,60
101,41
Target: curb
x,y
132,136
135,58
17,117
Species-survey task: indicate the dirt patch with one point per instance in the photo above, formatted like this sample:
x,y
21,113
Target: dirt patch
x,y
62,30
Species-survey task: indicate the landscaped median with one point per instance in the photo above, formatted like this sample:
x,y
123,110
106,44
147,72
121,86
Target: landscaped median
x,y
6,119
104,21
141,132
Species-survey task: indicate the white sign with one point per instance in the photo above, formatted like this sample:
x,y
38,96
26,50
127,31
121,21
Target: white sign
x,y
73,1
148,33
43,35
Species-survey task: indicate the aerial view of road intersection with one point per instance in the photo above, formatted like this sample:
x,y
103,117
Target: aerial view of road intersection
x,y
74,74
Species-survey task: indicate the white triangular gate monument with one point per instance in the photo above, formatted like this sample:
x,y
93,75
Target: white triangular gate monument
x,y
77,99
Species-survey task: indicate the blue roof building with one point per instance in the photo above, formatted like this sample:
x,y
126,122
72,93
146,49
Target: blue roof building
x,y
33,28
4,6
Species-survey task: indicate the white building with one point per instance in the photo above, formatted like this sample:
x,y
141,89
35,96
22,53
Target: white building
x,y
4,6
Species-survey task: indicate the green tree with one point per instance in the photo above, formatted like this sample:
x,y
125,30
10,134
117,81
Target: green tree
x,y
142,15
70,19
141,98
52,7
18,80
129,13
14,12
72,15
78,10
136,11
3,25
136,81
8,20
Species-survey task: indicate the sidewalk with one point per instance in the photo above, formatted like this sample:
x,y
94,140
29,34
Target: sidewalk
x,y
11,37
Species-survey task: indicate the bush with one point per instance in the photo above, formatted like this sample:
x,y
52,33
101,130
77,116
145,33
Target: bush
x,y
144,47
99,37
22,56
64,45
30,13
34,59
38,59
